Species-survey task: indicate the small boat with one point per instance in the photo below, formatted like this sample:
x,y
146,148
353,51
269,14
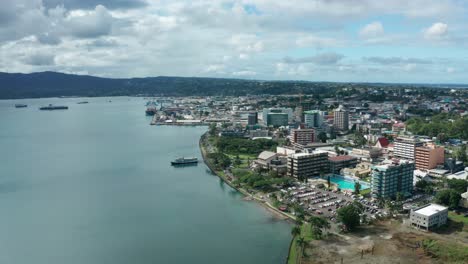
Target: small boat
x,y
53,107
184,161
83,102
21,105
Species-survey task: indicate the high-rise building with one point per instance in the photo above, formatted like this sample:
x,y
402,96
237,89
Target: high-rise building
x,y
252,119
288,111
277,119
405,147
390,179
305,165
429,156
313,118
302,136
341,119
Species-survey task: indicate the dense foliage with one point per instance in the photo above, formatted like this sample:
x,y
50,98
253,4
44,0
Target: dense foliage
x,y
448,197
258,181
244,146
450,125
350,215
219,160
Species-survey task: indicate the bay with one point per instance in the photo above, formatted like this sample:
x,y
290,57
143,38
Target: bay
x,y
93,184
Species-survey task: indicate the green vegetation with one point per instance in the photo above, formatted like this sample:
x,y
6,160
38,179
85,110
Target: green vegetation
x,y
452,126
448,197
460,218
357,187
349,215
317,225
259,181
244,146
219,160
365,192
446,252
301,236
457,185
425,186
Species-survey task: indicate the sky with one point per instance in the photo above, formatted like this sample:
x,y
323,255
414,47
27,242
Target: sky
x,y
403,41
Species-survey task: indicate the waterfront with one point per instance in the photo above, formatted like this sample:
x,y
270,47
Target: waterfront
x,y
93,184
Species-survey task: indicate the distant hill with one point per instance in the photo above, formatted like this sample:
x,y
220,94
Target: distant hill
x,y
54,84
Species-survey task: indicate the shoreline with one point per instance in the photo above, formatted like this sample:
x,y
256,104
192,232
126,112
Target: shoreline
x,y
267,206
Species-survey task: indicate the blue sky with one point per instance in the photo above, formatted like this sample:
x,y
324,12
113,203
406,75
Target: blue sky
x,y
423,41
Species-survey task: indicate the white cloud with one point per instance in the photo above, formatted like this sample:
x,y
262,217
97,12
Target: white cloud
x,y
438,30
314,41
372,30
450,70
244,73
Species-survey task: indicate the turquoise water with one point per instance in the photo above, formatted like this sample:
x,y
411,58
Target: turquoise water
x,y
347,184
93,185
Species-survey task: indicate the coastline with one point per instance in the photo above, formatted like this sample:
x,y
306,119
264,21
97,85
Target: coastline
x,y
265,205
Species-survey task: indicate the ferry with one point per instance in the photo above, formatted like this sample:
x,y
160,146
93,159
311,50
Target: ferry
x,y
150,111
53,107
184,161
21,105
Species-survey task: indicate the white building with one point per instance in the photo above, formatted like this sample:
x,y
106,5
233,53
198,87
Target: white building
x,y
428,216
405,147
341,118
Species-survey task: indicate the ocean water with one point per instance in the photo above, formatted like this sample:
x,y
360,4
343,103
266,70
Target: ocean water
x,y
93,184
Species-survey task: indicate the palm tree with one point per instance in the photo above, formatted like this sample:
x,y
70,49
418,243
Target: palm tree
x,y
296,230
301,243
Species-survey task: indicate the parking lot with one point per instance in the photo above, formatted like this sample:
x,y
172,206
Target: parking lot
x,y
322,202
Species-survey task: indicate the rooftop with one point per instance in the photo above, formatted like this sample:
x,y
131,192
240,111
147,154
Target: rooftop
x,y
430,209
341,158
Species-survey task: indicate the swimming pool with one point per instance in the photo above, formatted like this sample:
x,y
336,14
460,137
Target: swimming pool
x,y
346,183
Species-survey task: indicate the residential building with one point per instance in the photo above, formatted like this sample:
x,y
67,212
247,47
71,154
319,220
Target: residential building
x,y
405,147
382,143
313,118
302,136
429,156
252,119
389,179
277,119
341,119
305,165
398,127
340,162
429,216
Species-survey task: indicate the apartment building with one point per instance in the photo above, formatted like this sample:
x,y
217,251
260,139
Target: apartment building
x,y
391,178
305,165
405,147
429,156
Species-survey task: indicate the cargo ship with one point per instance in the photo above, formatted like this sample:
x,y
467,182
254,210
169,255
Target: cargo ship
x,y
21,105
184,161
54,107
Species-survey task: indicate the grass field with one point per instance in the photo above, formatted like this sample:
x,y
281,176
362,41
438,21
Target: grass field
x,y
294,251
458,218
